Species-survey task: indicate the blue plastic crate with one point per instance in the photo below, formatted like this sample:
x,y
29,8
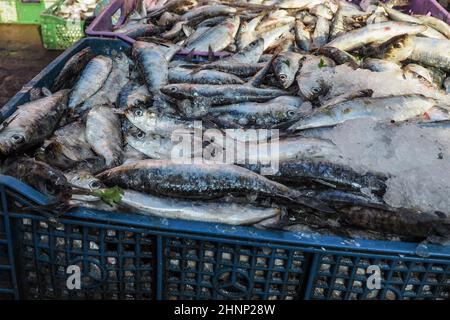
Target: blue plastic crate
x,y
129,256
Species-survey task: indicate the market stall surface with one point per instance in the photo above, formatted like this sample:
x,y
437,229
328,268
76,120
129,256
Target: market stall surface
x,y
22,56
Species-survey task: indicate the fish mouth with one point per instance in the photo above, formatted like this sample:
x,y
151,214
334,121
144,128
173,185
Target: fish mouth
x,y
3,150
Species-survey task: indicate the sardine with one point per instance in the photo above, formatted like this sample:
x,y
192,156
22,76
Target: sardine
x,y
374,33
91,80
302,36
257,115
182,75
379,65
152,64
398,108
321,32
199,181
285,67
86,181
216,38
151,122
247,33
118,77
435,23
32,123
327,174
41,176
221,94
438,57
71,69
133,94
208,11
67,147
104,135
403,17
215,212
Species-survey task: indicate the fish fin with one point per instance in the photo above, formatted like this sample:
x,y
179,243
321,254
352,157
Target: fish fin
x,y
210,54
195,70
190,55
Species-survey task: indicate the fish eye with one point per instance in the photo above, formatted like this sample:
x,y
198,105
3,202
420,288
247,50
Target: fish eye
x,y
17,139
140,135
94,185
291,113
283,77
138,112
316,90
173,89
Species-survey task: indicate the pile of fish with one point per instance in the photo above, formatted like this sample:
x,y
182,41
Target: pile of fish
x,y
103,135
76,9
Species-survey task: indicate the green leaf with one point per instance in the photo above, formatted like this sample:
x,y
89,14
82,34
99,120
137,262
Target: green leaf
x,y
110,196
322,63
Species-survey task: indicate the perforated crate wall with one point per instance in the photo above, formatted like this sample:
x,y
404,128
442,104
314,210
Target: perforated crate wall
x,y
58,33
128,256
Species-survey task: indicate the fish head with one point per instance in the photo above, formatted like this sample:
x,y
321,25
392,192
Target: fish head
x,y
60,155
43,177
176,90
286,73
84,180
12,141
140,116
399,49
135,136
256,46
312,87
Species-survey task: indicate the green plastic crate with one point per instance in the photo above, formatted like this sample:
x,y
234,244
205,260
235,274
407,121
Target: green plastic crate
x,y
29,11
8,12
58,33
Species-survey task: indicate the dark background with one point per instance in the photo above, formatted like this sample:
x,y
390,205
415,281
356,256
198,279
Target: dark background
x,y
22,56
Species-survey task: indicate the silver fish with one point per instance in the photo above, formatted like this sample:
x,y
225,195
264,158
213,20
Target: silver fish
x,y
215,212
435,23
152,64
247,32
84,180
302,36
257,115
374,33
151,122
208,11
285,67
182,75
67,147
104,135
321,33
91,80
221,94
438,57
379,65
199,181
32,123
397,108
118,77
216,38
